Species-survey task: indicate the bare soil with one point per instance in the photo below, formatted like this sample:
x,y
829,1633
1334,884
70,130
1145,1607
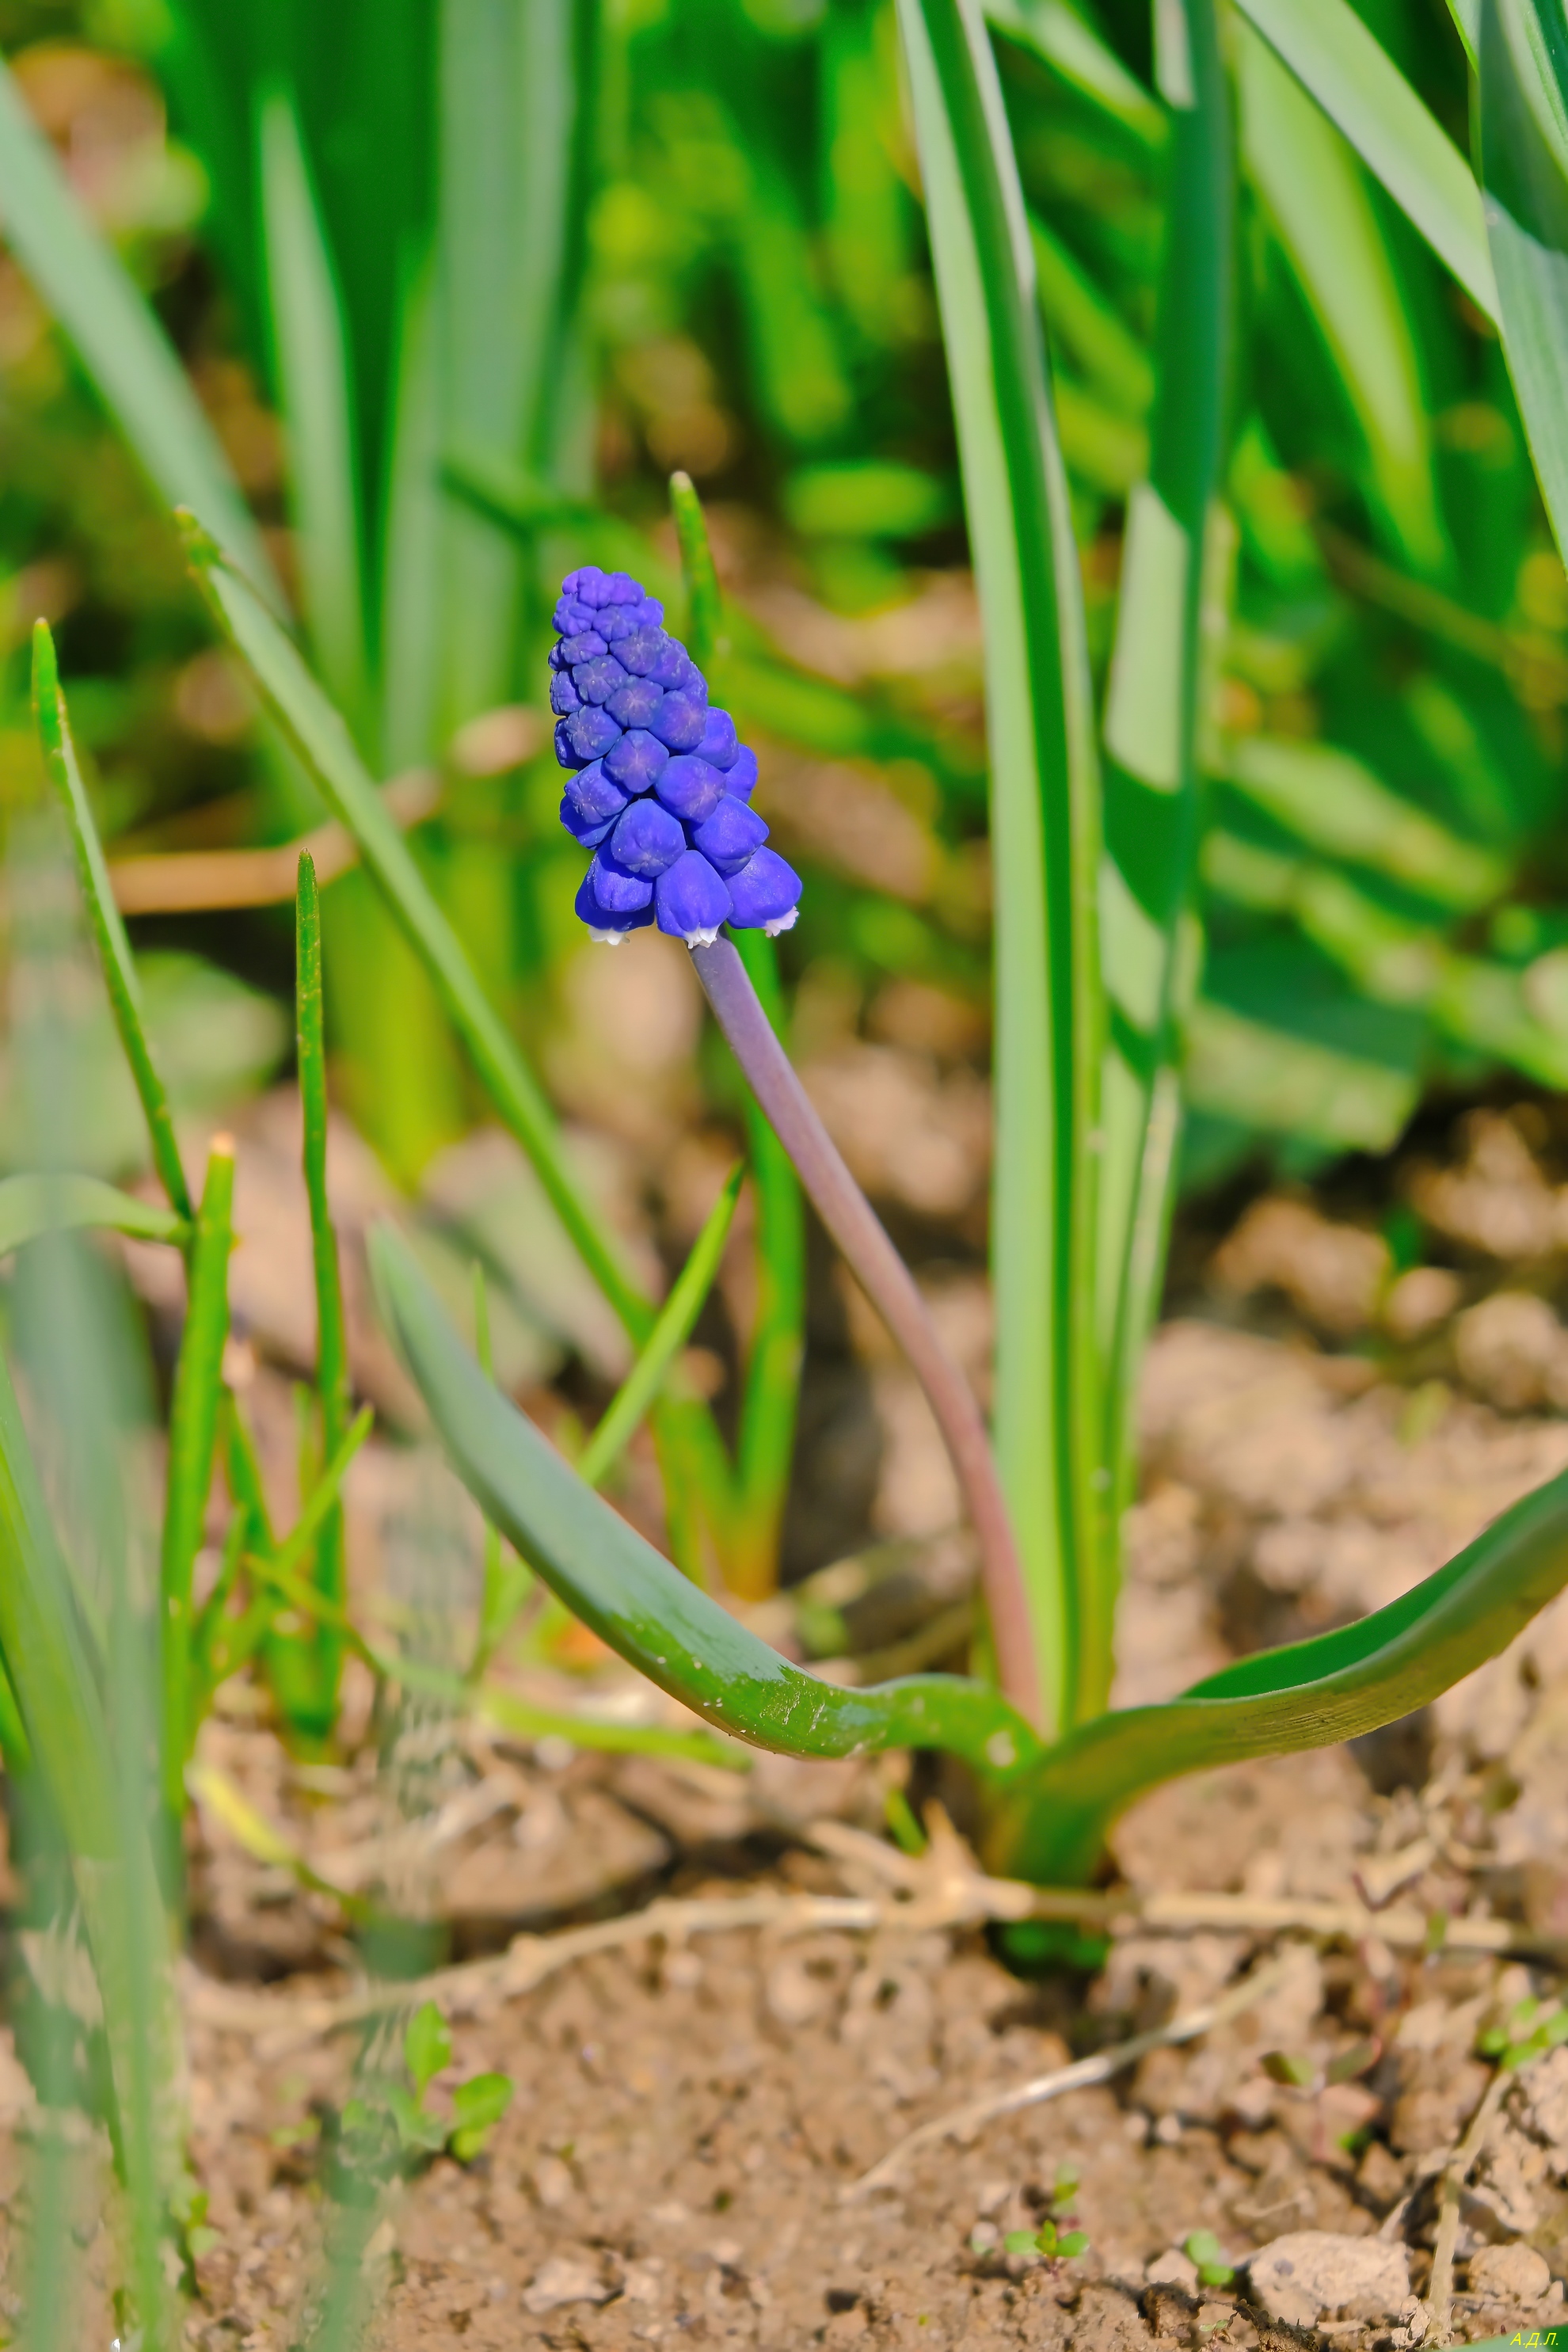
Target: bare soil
x,y
690,2117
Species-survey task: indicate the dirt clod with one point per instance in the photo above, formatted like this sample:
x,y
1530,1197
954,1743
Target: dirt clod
x,y
1510,2274
1312,2273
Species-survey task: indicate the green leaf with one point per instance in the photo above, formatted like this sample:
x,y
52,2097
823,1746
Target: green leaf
x,y
418,2131
1523,112
311,350
427,2047
322,742
679,1312
1312,183
478,2106
634,1599
193,1442
1089,326
53,721
1262,1077
1051,1827
120,342
32,1205
704,612
1339,62
1175,538
1044,825
1059,36
1328,798
305,1676
766,1447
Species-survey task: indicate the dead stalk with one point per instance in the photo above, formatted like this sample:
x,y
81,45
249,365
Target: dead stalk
x,y
963,2123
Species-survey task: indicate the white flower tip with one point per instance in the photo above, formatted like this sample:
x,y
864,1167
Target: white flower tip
x,y
781,923
701,938
605,939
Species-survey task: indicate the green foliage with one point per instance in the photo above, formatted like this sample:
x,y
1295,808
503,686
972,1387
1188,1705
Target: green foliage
x,y
1203,2249
392,2126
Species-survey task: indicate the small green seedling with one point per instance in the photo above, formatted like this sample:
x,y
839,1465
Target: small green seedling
x,y
1057,2246
1289,2067
399,2114
1530,2028
1204,2251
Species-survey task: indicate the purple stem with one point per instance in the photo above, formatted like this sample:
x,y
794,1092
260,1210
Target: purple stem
x,y
887,1282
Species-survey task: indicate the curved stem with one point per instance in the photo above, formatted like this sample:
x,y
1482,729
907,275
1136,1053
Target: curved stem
x,y
887,1282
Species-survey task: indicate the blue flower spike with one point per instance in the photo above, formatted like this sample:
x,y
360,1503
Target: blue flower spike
x,y
657,782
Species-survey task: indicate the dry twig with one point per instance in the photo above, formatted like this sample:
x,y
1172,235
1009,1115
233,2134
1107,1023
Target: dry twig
x,y
963,2123
1451,2195
180,882
943,1888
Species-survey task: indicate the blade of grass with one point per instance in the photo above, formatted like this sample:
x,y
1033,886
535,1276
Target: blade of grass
x,y
705,640
1092,328
95,1765
1338,62
505,1588
319,735
1072,48
631,1401
1312,183
119,340
1045,828
192,1440
306,1674
311,362
113,948
1328,798
297,1546
1153,714
770,1399
31,1205
1523,114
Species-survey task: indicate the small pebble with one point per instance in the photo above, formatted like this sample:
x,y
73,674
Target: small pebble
x,y
1509,2274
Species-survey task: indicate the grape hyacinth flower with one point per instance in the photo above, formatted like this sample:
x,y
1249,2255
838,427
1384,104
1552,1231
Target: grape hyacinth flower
x,y
659,787
660,784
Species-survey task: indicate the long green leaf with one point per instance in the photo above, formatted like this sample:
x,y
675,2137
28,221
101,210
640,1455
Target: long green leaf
x,y
771,1399
53,722
632,1401
322,742
311,360
1090,326
632,1597
121,344
1308,1696
1153,721
193,1442
1045,822
1360,90
1523,112
1330,799
95,1772
1312,183
1059,36
34,1206
304,1672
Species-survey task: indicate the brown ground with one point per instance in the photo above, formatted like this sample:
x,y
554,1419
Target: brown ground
x,y
689,2117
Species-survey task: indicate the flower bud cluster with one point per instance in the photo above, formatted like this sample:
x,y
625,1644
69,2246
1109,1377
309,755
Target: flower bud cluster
x,y
660,784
